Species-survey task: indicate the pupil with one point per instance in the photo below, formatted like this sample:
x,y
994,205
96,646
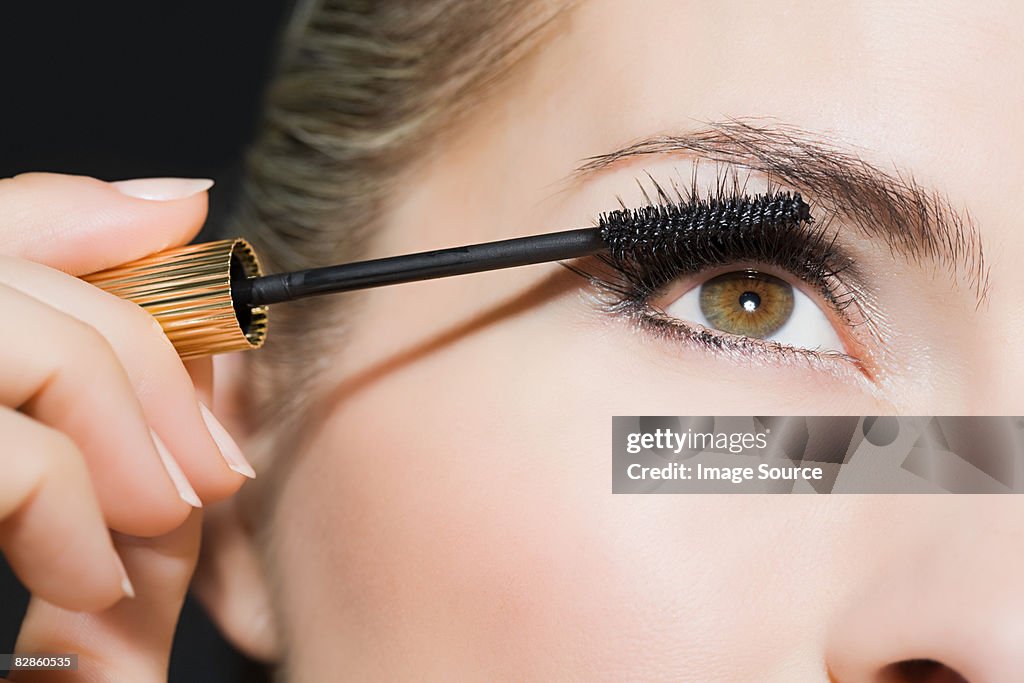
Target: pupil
x,y
750,301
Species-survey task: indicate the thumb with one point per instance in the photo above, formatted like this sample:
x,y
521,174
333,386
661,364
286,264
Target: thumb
x,y
132,640
80,225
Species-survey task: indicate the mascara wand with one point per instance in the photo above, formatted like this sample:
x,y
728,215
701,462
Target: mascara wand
x,y
475,258
212,298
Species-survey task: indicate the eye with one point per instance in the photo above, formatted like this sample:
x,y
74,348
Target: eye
x,y
749,303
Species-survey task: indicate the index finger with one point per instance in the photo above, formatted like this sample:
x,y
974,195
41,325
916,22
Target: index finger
x,y
80,224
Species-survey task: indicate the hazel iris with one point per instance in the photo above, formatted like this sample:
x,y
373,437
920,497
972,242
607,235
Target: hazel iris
x,y
747,303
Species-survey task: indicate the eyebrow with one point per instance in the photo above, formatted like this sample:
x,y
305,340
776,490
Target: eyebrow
x,y
913,221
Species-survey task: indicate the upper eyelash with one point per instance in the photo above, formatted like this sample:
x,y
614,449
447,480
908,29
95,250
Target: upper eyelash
x,y
808,250
809,254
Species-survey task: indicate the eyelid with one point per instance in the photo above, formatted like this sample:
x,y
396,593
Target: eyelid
x,y
807,250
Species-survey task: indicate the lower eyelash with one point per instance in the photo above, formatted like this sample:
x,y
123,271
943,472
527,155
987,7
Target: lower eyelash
x,y
640,314
667,327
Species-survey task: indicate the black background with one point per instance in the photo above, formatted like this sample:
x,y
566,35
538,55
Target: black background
x,y
130,90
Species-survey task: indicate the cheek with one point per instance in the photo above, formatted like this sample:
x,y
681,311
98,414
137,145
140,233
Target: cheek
x,y
462,504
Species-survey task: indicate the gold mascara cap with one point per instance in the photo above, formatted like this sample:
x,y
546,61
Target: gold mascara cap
x,y
188,291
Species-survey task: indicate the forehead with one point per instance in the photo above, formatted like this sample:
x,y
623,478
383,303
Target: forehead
x,y
936,89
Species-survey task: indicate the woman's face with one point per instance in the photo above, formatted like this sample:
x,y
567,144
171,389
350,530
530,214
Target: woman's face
x,y
453,517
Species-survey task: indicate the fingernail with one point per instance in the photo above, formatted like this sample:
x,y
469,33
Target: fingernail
x,y
126,585
229,450
163,189
185,490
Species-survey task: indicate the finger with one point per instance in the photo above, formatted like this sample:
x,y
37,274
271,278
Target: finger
x,y
201,372
212,463
63,373
52,531
82,225
132,640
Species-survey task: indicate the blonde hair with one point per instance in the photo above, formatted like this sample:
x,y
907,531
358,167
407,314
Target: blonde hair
x,y
362,89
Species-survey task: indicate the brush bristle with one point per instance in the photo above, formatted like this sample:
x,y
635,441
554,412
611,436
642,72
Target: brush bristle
x,y
633,233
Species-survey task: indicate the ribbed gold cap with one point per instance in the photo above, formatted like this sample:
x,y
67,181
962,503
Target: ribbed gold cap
x,y
188,290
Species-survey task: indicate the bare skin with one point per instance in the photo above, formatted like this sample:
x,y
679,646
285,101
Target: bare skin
x,y
452,516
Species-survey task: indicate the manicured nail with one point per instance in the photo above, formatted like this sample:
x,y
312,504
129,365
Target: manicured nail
x,y
163,189
126,585
229,450
185,490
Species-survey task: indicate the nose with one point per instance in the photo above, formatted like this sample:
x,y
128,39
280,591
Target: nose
x,y
950,610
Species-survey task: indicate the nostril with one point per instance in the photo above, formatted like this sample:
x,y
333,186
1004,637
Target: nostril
x,y
919,671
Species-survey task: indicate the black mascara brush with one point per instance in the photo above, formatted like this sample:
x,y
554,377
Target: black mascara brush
x,y
212,298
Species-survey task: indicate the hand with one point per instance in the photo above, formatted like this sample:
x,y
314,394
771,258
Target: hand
x,y
105,448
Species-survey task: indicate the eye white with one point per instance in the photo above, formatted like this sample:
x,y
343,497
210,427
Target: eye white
x,y
807,326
